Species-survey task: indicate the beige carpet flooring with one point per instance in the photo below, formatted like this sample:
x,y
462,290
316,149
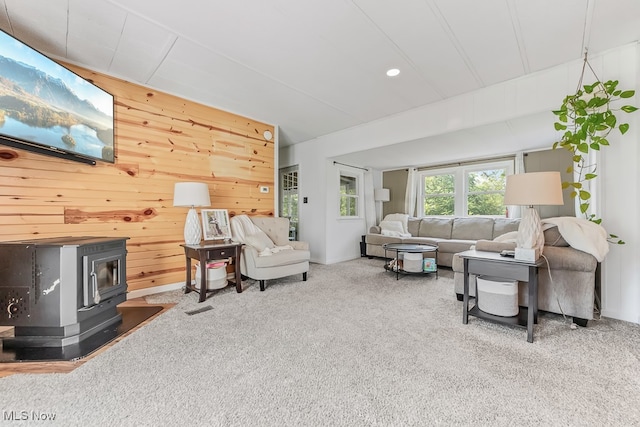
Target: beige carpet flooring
x,y
351,346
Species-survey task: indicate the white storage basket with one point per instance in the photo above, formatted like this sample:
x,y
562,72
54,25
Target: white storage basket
x,y
216,275
497,296
412,262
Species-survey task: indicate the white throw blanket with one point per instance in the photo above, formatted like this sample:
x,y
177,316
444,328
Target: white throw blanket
x,y
275,250
393,228
242,228
580,233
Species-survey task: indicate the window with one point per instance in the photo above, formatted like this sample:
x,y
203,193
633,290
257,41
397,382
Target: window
x,y
485,191
289,198
349,195
439,194
475,189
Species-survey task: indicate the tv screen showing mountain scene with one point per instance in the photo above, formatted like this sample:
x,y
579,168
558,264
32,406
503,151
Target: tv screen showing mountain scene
x,y
45,105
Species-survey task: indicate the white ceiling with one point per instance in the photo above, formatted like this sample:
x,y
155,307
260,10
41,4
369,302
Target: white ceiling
x,y
318,66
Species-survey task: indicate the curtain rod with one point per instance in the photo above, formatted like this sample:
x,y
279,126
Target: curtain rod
x,y
470,162
351,166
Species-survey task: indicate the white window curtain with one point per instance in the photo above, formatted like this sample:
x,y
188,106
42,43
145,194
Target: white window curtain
x,y
412,193
516,211
369,202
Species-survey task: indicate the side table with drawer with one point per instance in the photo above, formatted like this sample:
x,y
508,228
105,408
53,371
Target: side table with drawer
x,y
492,264
206,252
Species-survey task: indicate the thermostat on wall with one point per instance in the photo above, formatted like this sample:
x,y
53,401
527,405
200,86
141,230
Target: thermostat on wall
x,y
264,189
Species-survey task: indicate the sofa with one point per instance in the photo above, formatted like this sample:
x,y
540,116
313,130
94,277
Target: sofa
x,y
567,285
452,235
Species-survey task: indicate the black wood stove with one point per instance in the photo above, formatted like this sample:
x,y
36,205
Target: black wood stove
x,y
60,291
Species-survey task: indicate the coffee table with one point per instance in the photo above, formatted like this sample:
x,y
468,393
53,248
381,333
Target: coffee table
x,y
400,248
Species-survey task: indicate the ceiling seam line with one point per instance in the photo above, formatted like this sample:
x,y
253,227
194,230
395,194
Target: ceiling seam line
x,y
400,52
124,24
164,57
180,35
66,35
451,35
6,11
273,78
517,29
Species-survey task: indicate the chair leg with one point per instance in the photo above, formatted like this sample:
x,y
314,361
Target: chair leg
x,y
304,276
262,285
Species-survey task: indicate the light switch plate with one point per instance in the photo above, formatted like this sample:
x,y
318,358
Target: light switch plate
x,y
264,189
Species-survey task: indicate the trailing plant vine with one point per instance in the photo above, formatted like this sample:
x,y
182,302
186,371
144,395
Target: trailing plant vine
x,y
587,118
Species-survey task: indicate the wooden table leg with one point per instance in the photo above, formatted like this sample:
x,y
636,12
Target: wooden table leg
x,y
237,269
187,285
534,280
465,295
203,276
531,310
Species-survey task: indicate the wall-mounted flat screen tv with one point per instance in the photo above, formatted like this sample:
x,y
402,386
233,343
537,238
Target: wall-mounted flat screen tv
x,y
48,109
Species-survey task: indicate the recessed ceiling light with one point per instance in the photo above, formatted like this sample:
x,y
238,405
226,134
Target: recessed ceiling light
x,y
393,72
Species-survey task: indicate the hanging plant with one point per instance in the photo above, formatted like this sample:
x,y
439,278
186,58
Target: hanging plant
x,y
587,118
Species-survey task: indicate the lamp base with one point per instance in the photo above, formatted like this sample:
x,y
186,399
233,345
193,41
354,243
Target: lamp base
x,y
530,239
192,230
526,254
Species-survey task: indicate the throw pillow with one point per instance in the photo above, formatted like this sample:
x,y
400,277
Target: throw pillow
x,y
391,226
403,218
259,240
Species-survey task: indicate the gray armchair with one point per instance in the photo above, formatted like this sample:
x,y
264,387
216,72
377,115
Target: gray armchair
x,y
267,252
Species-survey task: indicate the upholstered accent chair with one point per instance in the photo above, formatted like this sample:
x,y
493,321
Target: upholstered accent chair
x,y
267,252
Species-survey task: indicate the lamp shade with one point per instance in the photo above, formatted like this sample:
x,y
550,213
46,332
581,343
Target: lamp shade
x,y
191,194
381,195
534,188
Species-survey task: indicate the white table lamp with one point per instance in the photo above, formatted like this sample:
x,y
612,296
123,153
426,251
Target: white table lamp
x,y
529,189
381,195
191,194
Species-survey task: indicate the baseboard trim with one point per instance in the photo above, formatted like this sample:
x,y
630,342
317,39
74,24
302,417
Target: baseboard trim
x,y
342,259
139,293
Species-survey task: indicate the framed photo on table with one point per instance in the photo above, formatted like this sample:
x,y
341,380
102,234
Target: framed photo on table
x,y
215,224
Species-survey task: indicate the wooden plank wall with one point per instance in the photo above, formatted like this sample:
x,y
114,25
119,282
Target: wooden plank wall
x,y
160,139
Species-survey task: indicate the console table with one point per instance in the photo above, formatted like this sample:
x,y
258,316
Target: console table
x,y
206,252
493,264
